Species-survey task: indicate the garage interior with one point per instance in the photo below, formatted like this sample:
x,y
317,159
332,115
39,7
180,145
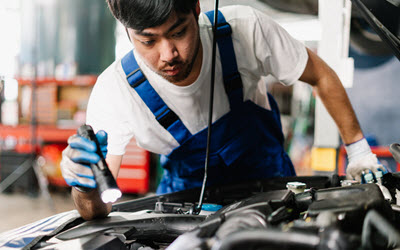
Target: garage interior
x,y
52,52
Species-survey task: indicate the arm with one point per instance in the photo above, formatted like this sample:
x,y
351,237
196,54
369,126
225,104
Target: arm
x,y
333,95
89,204
331,91
283,57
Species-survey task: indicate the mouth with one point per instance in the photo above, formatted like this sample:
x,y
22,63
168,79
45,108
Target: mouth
x,y
172,71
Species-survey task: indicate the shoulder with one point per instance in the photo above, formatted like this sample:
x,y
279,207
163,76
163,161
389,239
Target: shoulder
x,y
238,13
246,22
111,81
241,14
111,74
109,99
111,86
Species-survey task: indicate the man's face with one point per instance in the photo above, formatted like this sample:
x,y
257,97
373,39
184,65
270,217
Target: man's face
x,y
171,49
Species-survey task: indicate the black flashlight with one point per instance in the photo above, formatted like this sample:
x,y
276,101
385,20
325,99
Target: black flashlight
x,y
106,184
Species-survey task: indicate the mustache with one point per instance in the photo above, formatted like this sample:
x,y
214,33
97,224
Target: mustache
x,y
172,63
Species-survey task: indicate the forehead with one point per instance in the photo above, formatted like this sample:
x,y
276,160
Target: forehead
x,y
175,20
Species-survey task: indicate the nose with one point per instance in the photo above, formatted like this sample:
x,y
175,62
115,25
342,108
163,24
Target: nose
x,y
168,51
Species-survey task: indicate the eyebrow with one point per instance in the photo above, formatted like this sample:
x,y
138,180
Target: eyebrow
x,y
149,34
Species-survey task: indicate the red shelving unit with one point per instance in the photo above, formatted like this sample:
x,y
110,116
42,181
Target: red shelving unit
x,y
83,80
52,139
47,133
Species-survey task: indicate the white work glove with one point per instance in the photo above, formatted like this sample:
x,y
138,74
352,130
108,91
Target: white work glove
x,y
361,159
77,157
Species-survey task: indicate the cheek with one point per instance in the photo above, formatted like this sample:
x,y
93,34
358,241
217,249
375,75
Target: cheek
x,y
187,48
184,50
150,56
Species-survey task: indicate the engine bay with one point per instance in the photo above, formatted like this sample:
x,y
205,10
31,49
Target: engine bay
x,y
330,213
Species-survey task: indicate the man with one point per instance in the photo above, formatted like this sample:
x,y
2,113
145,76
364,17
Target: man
x,y
159,94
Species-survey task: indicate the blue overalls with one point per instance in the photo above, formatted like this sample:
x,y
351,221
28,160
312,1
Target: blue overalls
x,y
247,142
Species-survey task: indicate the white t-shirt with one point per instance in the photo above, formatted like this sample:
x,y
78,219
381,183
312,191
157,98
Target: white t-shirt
x,y
262,48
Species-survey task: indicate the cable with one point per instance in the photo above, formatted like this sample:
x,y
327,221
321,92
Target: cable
x,y
210,112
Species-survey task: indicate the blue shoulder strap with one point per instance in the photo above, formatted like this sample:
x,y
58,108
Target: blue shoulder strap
x,y
164,115
232,80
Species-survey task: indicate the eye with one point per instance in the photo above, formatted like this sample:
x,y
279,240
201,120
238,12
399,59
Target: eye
x,y
147,43
180,33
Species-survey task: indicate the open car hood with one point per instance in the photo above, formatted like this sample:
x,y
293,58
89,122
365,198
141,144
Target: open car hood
x,y
260,214
387,36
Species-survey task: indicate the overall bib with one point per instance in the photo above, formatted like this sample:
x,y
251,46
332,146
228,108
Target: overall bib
x,y
246,143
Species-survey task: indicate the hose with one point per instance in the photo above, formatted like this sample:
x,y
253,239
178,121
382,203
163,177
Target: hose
x,y
375,222
269,238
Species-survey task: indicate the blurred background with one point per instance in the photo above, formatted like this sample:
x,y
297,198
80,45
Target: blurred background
x,y
51,52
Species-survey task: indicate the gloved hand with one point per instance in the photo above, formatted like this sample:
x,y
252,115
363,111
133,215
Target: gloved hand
x,y
77,157
369,162
361,159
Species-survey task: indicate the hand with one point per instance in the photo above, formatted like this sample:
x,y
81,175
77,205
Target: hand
x,y
366,163
77,157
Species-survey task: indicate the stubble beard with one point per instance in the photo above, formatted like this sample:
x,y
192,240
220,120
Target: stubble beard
x,y
186,67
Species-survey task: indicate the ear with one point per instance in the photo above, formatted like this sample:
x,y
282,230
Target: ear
x,y
198,8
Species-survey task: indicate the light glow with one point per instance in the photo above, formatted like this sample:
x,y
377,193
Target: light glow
x,y
111,195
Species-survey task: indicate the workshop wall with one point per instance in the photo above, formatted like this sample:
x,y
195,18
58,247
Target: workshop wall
x,y
66,37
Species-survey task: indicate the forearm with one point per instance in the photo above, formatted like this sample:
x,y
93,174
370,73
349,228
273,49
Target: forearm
x,y
334,97
90,205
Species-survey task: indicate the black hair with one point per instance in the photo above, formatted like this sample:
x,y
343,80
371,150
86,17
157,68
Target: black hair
x,y
143,14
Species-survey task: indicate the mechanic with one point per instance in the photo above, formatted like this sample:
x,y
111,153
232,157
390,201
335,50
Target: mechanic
x,y
159,95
